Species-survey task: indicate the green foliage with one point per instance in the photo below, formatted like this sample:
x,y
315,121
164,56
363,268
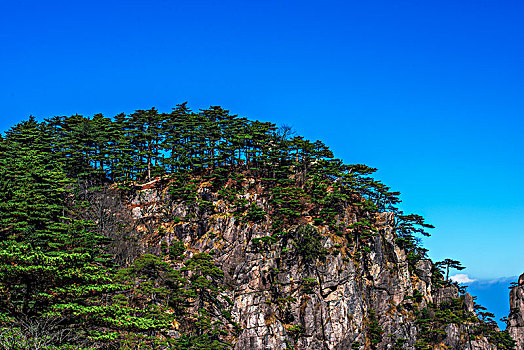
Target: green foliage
x,y
502,340
205,277
32,184
296,331
177,249
265,242
373,330
308,285
183,188
34,282
156,296
255,214
51,263
449,264
58,280
356,345
399,344
308,243
288,203
408,227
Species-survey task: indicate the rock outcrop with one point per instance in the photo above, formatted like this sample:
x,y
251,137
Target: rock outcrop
x,y
340,299
516,316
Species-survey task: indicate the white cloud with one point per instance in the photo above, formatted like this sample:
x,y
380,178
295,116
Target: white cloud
x,y
461,278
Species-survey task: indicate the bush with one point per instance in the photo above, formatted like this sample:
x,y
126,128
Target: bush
x,y
309,243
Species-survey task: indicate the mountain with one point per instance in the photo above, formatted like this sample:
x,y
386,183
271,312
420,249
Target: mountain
x,y
203,230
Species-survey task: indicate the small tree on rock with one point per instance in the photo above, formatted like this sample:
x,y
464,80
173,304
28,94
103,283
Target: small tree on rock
x,y
450,263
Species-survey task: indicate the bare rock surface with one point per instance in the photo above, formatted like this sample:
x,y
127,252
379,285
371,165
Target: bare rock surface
x,y
282,301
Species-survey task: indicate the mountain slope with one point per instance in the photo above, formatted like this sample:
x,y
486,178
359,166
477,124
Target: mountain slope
x,y
203,230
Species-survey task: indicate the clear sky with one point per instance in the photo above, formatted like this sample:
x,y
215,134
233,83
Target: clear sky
x,y
429,92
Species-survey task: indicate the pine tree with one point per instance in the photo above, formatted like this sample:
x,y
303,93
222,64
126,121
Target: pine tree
x,y
450,264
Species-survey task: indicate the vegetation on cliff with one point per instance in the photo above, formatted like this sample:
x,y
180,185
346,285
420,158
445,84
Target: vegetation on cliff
x,y
74,272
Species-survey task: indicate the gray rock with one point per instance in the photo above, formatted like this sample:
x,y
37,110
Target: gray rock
x,y
516,316
282,301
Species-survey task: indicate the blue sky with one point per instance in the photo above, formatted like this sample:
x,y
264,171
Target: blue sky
x,y
428,92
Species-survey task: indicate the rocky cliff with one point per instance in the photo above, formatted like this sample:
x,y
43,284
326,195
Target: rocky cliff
x,y
243,236
311,287
516,316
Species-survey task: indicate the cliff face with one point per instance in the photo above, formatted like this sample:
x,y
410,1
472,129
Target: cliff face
x,y
339,299
516,316
276,308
